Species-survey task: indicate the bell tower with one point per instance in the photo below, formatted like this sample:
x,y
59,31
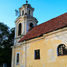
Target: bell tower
x,y
25,21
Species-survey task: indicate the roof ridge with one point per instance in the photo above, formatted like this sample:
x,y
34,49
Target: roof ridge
x,y
52,18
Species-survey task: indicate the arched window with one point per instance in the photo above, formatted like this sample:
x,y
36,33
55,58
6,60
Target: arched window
x,y
61,50
29,12
22,13
19,29
31,26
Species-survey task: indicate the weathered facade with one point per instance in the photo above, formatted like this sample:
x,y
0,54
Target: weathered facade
x,y
44,45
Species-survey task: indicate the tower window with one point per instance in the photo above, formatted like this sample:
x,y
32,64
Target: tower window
x,y
31,26
62,50
17,59
22,13
19,29
37,54
29,12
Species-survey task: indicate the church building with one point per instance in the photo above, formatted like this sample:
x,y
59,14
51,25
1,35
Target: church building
x,y
43,45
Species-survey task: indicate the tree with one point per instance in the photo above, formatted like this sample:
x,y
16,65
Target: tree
x,y
6,41
4,32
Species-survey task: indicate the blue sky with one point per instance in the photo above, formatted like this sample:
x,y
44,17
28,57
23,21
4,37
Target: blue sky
x,y
44,10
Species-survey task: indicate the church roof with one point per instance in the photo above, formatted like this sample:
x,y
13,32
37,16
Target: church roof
x,y
46,27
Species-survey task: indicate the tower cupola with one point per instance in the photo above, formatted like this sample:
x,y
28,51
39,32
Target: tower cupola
x,y
26,9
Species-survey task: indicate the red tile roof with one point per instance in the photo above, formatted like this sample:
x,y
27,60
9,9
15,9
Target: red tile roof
x,y
51,25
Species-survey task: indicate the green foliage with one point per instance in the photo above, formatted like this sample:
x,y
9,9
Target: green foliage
x,y
4,32
6,41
